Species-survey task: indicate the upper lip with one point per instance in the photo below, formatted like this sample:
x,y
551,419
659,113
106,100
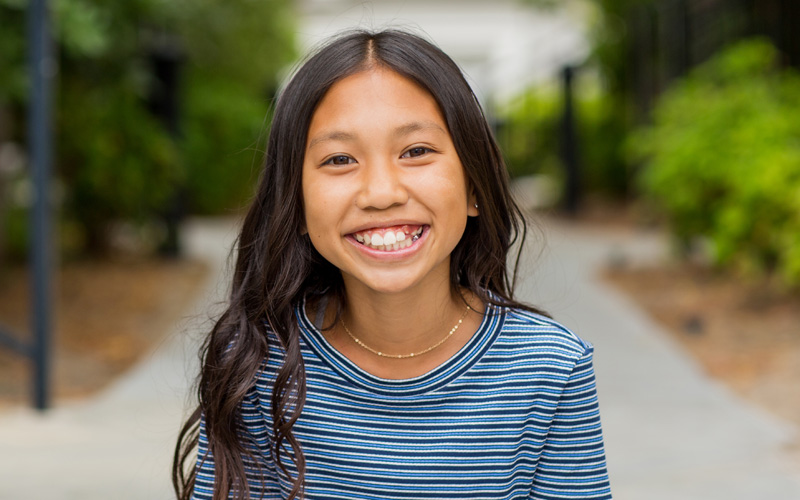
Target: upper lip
x,y
384,224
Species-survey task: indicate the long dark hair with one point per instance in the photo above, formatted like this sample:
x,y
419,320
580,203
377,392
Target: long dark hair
x,y
276,264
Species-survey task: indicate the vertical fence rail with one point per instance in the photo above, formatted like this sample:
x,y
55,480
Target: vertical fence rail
x,y
42,68
569,143
166,60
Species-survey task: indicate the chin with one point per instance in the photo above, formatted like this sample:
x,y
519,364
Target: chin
x,y
392,289
386,284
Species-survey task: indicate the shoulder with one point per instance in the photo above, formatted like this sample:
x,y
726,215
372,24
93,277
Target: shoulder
x,y
530,331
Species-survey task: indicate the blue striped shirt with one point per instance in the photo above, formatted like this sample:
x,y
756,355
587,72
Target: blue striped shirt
x,y
513,415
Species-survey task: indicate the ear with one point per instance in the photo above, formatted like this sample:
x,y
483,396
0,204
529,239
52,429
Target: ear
x,y
472,204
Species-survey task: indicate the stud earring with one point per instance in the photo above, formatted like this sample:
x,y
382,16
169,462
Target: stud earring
x,y
475,205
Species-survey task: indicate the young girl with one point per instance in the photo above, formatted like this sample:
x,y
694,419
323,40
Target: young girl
x,y
372,347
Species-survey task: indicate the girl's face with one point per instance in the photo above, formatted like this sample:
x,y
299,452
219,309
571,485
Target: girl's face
x,y
385,195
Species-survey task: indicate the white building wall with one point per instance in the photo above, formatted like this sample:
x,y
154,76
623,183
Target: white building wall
x,y
503,46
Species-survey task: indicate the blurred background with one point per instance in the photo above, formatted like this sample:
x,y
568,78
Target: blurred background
x,y
656,143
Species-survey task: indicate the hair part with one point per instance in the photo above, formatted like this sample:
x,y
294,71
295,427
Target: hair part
x,y
277,266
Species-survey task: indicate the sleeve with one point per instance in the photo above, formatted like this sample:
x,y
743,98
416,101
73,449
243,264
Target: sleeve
x,y
572,463
260,473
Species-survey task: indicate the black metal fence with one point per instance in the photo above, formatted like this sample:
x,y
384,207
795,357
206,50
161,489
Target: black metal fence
x,y
669,37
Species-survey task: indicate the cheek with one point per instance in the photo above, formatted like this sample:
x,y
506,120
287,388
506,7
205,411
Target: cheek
x,y
449,185
318,207
312,200
324,209
327,194
314,218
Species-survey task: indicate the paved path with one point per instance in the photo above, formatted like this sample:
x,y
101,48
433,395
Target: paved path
x,y
671,433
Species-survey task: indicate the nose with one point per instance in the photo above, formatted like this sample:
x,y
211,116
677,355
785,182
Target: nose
x,y
382,186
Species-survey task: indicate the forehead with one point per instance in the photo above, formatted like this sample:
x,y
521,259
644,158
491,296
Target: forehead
x,y
373,99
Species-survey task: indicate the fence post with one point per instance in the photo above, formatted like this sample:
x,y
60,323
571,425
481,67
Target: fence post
x,y
42,68
166,59
569,144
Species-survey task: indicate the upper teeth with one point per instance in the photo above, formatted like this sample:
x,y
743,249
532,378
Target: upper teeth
x,y
390,240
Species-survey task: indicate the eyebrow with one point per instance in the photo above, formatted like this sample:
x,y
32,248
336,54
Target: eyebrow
x,y
402,130
412,127
332,136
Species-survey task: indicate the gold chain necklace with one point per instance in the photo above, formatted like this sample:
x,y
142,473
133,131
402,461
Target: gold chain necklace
x,y
413,354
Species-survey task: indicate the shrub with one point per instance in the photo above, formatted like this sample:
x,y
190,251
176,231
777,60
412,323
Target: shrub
x,y
722,160
222,124
118,161
529,134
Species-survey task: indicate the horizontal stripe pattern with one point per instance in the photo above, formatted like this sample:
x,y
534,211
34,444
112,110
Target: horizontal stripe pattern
x,y
513,415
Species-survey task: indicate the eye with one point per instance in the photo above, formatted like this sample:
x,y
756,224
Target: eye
x,y
416,151
339,160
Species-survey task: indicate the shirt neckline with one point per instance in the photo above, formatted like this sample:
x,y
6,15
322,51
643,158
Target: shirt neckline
x,y
440,376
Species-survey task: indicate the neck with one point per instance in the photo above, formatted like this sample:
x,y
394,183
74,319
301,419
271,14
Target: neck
x,y
404,322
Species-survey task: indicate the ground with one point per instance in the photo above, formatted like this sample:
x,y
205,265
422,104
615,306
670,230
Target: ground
x,y
745,334
108,315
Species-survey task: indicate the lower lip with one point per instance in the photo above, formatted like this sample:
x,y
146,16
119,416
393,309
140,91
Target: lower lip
x,y
391,254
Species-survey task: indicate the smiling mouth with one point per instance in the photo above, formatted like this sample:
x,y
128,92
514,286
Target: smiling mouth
x,y
389,239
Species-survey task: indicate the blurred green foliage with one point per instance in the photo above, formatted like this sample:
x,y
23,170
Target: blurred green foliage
x,y
722,159
221,127
529,133
235,50
531,139
115,160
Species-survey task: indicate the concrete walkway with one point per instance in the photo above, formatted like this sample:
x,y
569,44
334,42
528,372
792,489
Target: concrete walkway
x,y
671,433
